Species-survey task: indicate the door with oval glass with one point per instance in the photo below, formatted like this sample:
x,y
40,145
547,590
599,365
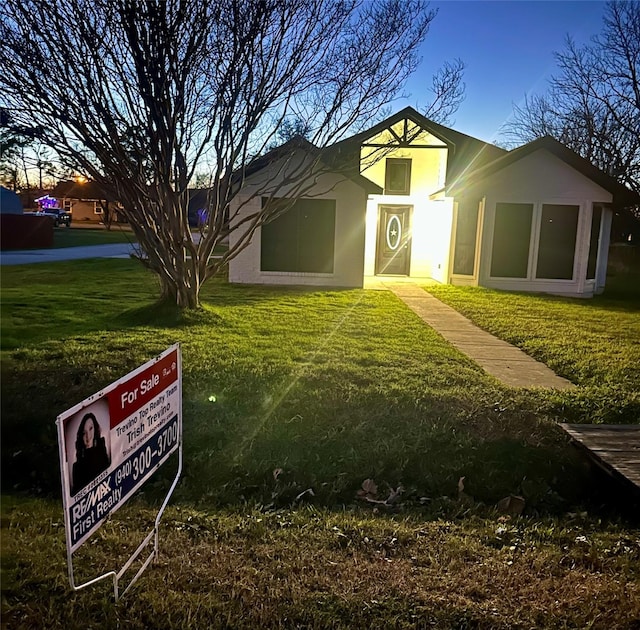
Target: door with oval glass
x,y
394,240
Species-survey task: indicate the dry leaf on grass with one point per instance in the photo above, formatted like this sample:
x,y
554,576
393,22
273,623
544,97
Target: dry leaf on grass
x,y
513,505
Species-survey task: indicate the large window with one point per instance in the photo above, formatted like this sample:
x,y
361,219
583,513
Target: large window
x,y
397,178
465,243
593,242
301,238
511,238
557,242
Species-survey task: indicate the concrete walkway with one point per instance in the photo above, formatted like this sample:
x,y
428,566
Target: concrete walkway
x,y
498,358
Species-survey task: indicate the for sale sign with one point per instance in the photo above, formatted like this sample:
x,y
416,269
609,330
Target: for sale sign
x,y
113,441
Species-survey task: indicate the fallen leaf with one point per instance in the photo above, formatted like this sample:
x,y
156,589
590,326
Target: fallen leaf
x,y
369,486
513,505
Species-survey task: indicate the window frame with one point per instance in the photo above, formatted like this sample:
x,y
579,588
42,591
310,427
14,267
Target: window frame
x,y
301,239
406,190
534,238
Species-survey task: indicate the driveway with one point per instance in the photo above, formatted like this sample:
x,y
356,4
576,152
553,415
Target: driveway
x,y
29,256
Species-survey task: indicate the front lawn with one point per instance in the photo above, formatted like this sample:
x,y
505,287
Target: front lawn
x,y
292,398
595,343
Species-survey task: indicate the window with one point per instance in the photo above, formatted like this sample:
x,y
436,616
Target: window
x,y
66,204
301,239
594,242
464,252
397,178
557,241
97,207
511,238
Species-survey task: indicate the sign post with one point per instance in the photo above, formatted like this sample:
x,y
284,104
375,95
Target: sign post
x,y
110,444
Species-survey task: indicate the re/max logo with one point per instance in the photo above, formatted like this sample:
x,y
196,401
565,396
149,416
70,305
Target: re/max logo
x,y
97,494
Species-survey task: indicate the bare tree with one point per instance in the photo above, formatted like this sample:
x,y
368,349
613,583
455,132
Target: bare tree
x,y
447,88
140,93
593,104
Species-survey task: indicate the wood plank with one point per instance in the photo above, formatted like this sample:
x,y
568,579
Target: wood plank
x,y
615,447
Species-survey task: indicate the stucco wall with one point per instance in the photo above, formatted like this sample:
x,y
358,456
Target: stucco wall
x,y
431,220
428,166
431,224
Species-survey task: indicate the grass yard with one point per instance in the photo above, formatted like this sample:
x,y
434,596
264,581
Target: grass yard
x,y
594,343
77,237
292,398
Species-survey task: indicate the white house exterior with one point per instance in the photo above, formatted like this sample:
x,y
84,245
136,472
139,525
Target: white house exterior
x,y
413,198
541,226
320,241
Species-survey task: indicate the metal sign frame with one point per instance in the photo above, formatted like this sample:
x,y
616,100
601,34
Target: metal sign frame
x,y
140,448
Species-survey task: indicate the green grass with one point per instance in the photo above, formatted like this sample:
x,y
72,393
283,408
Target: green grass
x,y
328,388
317,568
594,343
77,237
333,387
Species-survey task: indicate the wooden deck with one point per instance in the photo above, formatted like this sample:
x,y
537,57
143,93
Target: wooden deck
x,y
616,448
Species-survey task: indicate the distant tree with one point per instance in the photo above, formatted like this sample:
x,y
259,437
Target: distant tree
x,y
141,93
290,128
593,104
12,149
21,155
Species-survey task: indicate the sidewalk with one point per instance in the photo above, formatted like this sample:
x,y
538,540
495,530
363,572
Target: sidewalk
x,y
28,256
498,358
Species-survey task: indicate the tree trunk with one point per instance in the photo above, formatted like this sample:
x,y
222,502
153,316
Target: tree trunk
x,y
183,295
182,290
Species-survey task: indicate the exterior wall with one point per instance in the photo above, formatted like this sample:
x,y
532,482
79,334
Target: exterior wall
x,y
430,235
349,234
538,179
428,166
82,210
431,220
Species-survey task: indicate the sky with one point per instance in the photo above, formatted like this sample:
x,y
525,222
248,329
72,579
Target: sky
x,y
507,47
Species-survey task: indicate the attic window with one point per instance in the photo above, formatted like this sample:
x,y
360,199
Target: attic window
x,y
397,179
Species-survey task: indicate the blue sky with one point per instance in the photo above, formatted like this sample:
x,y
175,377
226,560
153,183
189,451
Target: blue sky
x,y
508,50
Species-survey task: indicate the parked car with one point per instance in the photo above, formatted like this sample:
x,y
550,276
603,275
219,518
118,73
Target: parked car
x,y
59,216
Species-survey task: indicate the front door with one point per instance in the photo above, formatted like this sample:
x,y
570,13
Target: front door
x,y
394,240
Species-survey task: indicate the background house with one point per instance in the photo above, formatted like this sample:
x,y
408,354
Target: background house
x,y
409,197
87,202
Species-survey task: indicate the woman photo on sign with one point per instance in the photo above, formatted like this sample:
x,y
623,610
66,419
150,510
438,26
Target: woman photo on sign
x,y
91,453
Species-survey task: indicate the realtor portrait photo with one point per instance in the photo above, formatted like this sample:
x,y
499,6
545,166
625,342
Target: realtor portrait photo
x,y
87,445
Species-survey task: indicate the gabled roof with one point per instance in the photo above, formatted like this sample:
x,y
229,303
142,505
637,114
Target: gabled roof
x,y
465,152
299,143
622,196
76,190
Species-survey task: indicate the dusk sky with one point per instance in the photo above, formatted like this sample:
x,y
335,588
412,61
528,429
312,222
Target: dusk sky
x,y
508,51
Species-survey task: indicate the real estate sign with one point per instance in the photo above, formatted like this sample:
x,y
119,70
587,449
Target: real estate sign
x,y
112,442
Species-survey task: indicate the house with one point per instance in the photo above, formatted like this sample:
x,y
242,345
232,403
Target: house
x,y
411,198
87,202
